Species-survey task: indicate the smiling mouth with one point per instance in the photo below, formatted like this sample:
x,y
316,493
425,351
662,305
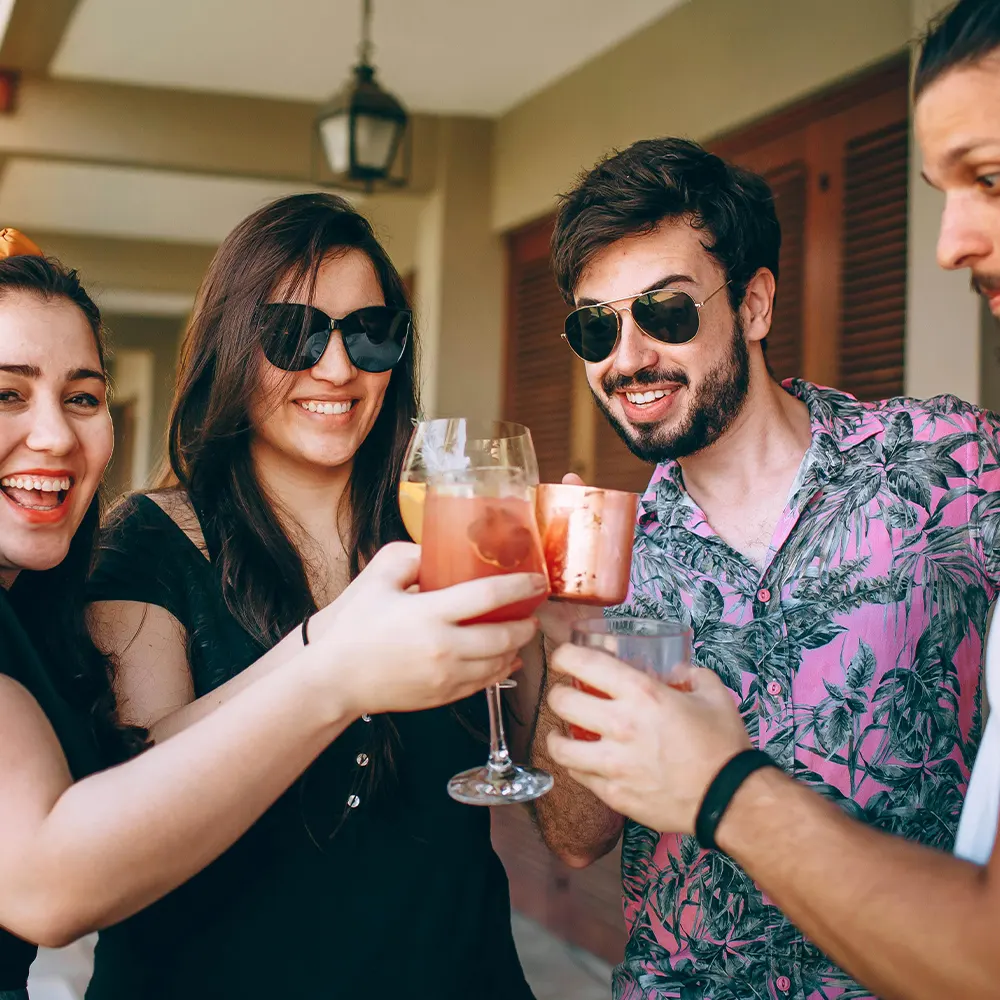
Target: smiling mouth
x,y
649,396
326,406
39,493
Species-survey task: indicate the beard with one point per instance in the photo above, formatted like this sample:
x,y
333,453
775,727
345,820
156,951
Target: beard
x,y
717,401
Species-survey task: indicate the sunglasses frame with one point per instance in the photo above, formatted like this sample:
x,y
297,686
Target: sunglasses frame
x,y
631,299
338,324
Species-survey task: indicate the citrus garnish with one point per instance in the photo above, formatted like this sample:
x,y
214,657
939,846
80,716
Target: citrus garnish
x,y
500,539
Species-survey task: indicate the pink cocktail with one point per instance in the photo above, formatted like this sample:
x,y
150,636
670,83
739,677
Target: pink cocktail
x,y
469,537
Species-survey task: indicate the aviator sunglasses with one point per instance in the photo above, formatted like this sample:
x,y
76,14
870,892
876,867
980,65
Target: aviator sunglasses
x,y
665,314
294,336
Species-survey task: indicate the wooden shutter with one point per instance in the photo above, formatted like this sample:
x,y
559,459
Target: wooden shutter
x,y
784,341
837,164
873,283
539,364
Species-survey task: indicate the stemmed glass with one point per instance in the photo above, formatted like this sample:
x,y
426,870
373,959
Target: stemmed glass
x,y
476,518
450,442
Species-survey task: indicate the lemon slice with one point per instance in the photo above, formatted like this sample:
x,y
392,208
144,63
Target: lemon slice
x,y
411,507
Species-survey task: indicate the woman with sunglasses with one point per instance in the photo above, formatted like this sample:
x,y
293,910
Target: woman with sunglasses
x,y
294,405
82,847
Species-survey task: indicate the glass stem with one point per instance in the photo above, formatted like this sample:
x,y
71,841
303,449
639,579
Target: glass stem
x,y
499,763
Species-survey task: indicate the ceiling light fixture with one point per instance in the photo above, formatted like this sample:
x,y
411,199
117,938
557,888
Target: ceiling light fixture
x,y
363,127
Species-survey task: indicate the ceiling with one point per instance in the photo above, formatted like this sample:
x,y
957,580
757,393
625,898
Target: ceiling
x,y
476,57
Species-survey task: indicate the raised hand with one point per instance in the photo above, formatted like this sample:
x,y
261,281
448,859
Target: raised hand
x,y
401,651
660,745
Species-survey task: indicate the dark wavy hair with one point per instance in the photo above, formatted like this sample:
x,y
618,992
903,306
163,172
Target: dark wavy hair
x,y
632,192
50,604
960,36
280,247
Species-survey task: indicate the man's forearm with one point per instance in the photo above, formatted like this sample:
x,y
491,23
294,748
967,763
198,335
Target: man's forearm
x,y
576,825
909,922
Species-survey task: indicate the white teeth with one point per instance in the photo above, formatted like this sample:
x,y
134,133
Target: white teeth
x,y
319,406
30,483
648,397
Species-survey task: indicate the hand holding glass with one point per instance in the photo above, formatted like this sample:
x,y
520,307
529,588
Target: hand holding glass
x,y
655,647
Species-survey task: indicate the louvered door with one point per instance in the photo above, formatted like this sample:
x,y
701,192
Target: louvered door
x,y
838,167
784,341
539,364
873,282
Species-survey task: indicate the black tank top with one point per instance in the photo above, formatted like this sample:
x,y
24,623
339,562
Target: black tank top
x,y
339,890
19,660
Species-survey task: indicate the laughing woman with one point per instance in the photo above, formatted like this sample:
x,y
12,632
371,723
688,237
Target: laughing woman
x,y
294,406
82,848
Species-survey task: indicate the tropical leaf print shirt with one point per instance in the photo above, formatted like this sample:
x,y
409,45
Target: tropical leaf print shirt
x,y
855,657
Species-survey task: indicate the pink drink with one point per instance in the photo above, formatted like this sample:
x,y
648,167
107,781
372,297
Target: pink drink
x,y
468,537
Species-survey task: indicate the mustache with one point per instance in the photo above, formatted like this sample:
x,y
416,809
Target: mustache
x,y
985,284
617,382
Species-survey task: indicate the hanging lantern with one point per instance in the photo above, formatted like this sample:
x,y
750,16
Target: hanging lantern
x,y
363,126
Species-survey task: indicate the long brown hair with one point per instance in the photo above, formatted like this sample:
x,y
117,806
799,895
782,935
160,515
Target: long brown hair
x,y
281,246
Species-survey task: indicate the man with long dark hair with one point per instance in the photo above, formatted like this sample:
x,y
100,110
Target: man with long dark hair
x,y
907,921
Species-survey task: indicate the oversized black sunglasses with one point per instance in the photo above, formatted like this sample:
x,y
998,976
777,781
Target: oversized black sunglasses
x,y
294,336
665,314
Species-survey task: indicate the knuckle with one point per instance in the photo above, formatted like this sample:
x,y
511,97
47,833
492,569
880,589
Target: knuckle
x,y
647,687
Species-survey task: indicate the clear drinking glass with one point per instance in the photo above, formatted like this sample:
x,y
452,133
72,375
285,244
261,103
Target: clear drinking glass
x,y
478,519
437,445
653,646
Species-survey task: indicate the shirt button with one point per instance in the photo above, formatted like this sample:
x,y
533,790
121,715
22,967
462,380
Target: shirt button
x,y
366,718
763,595
353,801
362,760
784,984
773,689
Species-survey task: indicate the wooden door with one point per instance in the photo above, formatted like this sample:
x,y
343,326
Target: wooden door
x,y
838,165
539,365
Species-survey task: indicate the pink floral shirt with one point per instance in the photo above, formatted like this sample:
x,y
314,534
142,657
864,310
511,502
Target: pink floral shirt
x,y
855,657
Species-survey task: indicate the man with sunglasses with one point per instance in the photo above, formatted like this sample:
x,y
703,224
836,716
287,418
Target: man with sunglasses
x,y
853,656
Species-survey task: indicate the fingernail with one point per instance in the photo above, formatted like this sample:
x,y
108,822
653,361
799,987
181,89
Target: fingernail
x,y
539,582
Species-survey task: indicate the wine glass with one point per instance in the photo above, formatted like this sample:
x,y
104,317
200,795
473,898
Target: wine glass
x,y
450,443
478,520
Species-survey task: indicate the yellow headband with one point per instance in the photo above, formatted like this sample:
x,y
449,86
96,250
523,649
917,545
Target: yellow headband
x,y
16,244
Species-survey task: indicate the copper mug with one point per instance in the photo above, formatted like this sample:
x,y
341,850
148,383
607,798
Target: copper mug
x,y
587,538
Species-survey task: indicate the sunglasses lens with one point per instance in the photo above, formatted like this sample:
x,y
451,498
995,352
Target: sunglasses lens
x,y
293,336
375,337
592,332
670,317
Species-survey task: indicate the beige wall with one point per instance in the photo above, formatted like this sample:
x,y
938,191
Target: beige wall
x,y
701,70
460,278
159,335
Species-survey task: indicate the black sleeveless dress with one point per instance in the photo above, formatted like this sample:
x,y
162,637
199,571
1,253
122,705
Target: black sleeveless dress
x,y
345,887
19,660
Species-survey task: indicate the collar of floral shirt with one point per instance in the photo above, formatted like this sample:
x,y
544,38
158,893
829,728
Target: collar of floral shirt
x,y
838,423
